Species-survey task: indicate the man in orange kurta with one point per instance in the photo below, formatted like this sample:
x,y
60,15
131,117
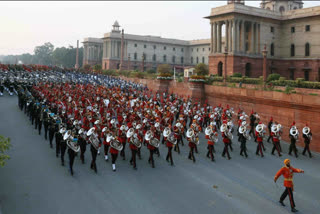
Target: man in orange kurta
x,y
287,172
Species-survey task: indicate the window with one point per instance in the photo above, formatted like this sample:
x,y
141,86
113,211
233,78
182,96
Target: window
x,y
203,49
154,47
154,57
307,28
192,49
181,49
174,49
292,52
282,9
135,45
247,46
292,74
164,58
203,59
164,48
191,60
306,75
197,60
173,59
272,29
307,49
135,56
181,60
145,46
272,49
197,49
293,29
209,49
144,56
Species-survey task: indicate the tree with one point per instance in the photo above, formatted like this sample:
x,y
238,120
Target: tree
x,y
4,146
201,69
97,68
43,54
164,69
87,67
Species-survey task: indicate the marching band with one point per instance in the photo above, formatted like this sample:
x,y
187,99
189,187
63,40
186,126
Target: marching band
x,y
80,109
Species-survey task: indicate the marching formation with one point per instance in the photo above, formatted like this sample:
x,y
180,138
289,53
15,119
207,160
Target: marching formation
x,y
109,114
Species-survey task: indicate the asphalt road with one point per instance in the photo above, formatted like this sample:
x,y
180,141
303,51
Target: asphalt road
x,y
33,181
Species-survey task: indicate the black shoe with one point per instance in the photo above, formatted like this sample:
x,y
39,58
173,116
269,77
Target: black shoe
x,y
172,164
212,160
303,154
246,156
135,168
280,155
257,154
229,158
310,156
62,163
294,210
241,154
281,202
272,153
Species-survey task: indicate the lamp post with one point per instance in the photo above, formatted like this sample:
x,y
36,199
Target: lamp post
x,y
225,66
264,54
143,62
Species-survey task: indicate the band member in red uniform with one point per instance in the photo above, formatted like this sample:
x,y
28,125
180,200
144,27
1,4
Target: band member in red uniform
x,y
276,141
192,144
123,139
169,146
225,140
114,156
134,151
307,135
151,150
259,137
209,136
287,172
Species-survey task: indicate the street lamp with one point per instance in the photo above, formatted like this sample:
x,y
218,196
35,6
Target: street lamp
x,y
225,66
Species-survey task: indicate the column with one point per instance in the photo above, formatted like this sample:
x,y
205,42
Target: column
x,y
230,35
226,35
234,35
252,38
215,37
219,38
212,38
243,32
238,36
257,38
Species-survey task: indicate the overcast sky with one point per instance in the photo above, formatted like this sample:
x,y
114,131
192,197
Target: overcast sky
x,y
24,25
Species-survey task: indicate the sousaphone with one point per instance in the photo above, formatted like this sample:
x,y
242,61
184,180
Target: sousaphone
x,y
90,132
294,132
208,130
130,132
306,130
115,143
166,132
172,139
154,142
73,144
148,136
67,135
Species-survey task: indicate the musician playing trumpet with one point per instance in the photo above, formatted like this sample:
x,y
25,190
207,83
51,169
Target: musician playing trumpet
x,y
307,135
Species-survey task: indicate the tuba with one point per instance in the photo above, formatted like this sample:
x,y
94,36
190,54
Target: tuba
x,y
130,132
154,142
172,139
294,132
166,132
192,136
260,129
148,136
306,131
93,138
116,144
243,131
135,141
73,144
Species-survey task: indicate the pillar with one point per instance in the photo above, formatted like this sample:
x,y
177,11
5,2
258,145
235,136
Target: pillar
x,y
219,38
77,56
212,39
234,35
257,38
243,32
215,36
264,53
227,35
252,38
230,35
122,50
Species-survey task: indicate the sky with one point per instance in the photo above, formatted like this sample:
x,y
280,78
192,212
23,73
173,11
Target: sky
x,y
24,25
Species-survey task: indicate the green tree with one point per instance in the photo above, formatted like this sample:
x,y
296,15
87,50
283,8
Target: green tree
x,y
43,54
4,146
201,69
97,68
164,69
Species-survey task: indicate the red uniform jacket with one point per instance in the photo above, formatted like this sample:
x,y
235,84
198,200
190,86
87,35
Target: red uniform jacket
x,y
287,173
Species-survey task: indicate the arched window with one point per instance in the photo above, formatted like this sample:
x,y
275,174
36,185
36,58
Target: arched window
x,y
154,57
173,59
203,59
197,60
191,60
248,70
144,56
135,55
220,66
268,8
307,49
281,9
164,58
292,51
272,49
182,60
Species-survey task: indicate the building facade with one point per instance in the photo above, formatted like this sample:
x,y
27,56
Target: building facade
x,y
289,33
138,52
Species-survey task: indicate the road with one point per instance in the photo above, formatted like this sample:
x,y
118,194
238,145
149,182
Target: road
x,y
33,181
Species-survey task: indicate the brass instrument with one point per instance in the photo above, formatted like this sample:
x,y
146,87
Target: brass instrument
x,y
294,132
116,144
135,141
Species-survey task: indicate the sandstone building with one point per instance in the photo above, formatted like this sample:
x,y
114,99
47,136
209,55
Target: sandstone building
x,y
239,34
290,34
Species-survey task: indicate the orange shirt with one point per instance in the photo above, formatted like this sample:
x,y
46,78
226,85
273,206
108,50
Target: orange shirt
x,y
287,173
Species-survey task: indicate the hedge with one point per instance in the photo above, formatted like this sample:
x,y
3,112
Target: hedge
x,y
297,84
